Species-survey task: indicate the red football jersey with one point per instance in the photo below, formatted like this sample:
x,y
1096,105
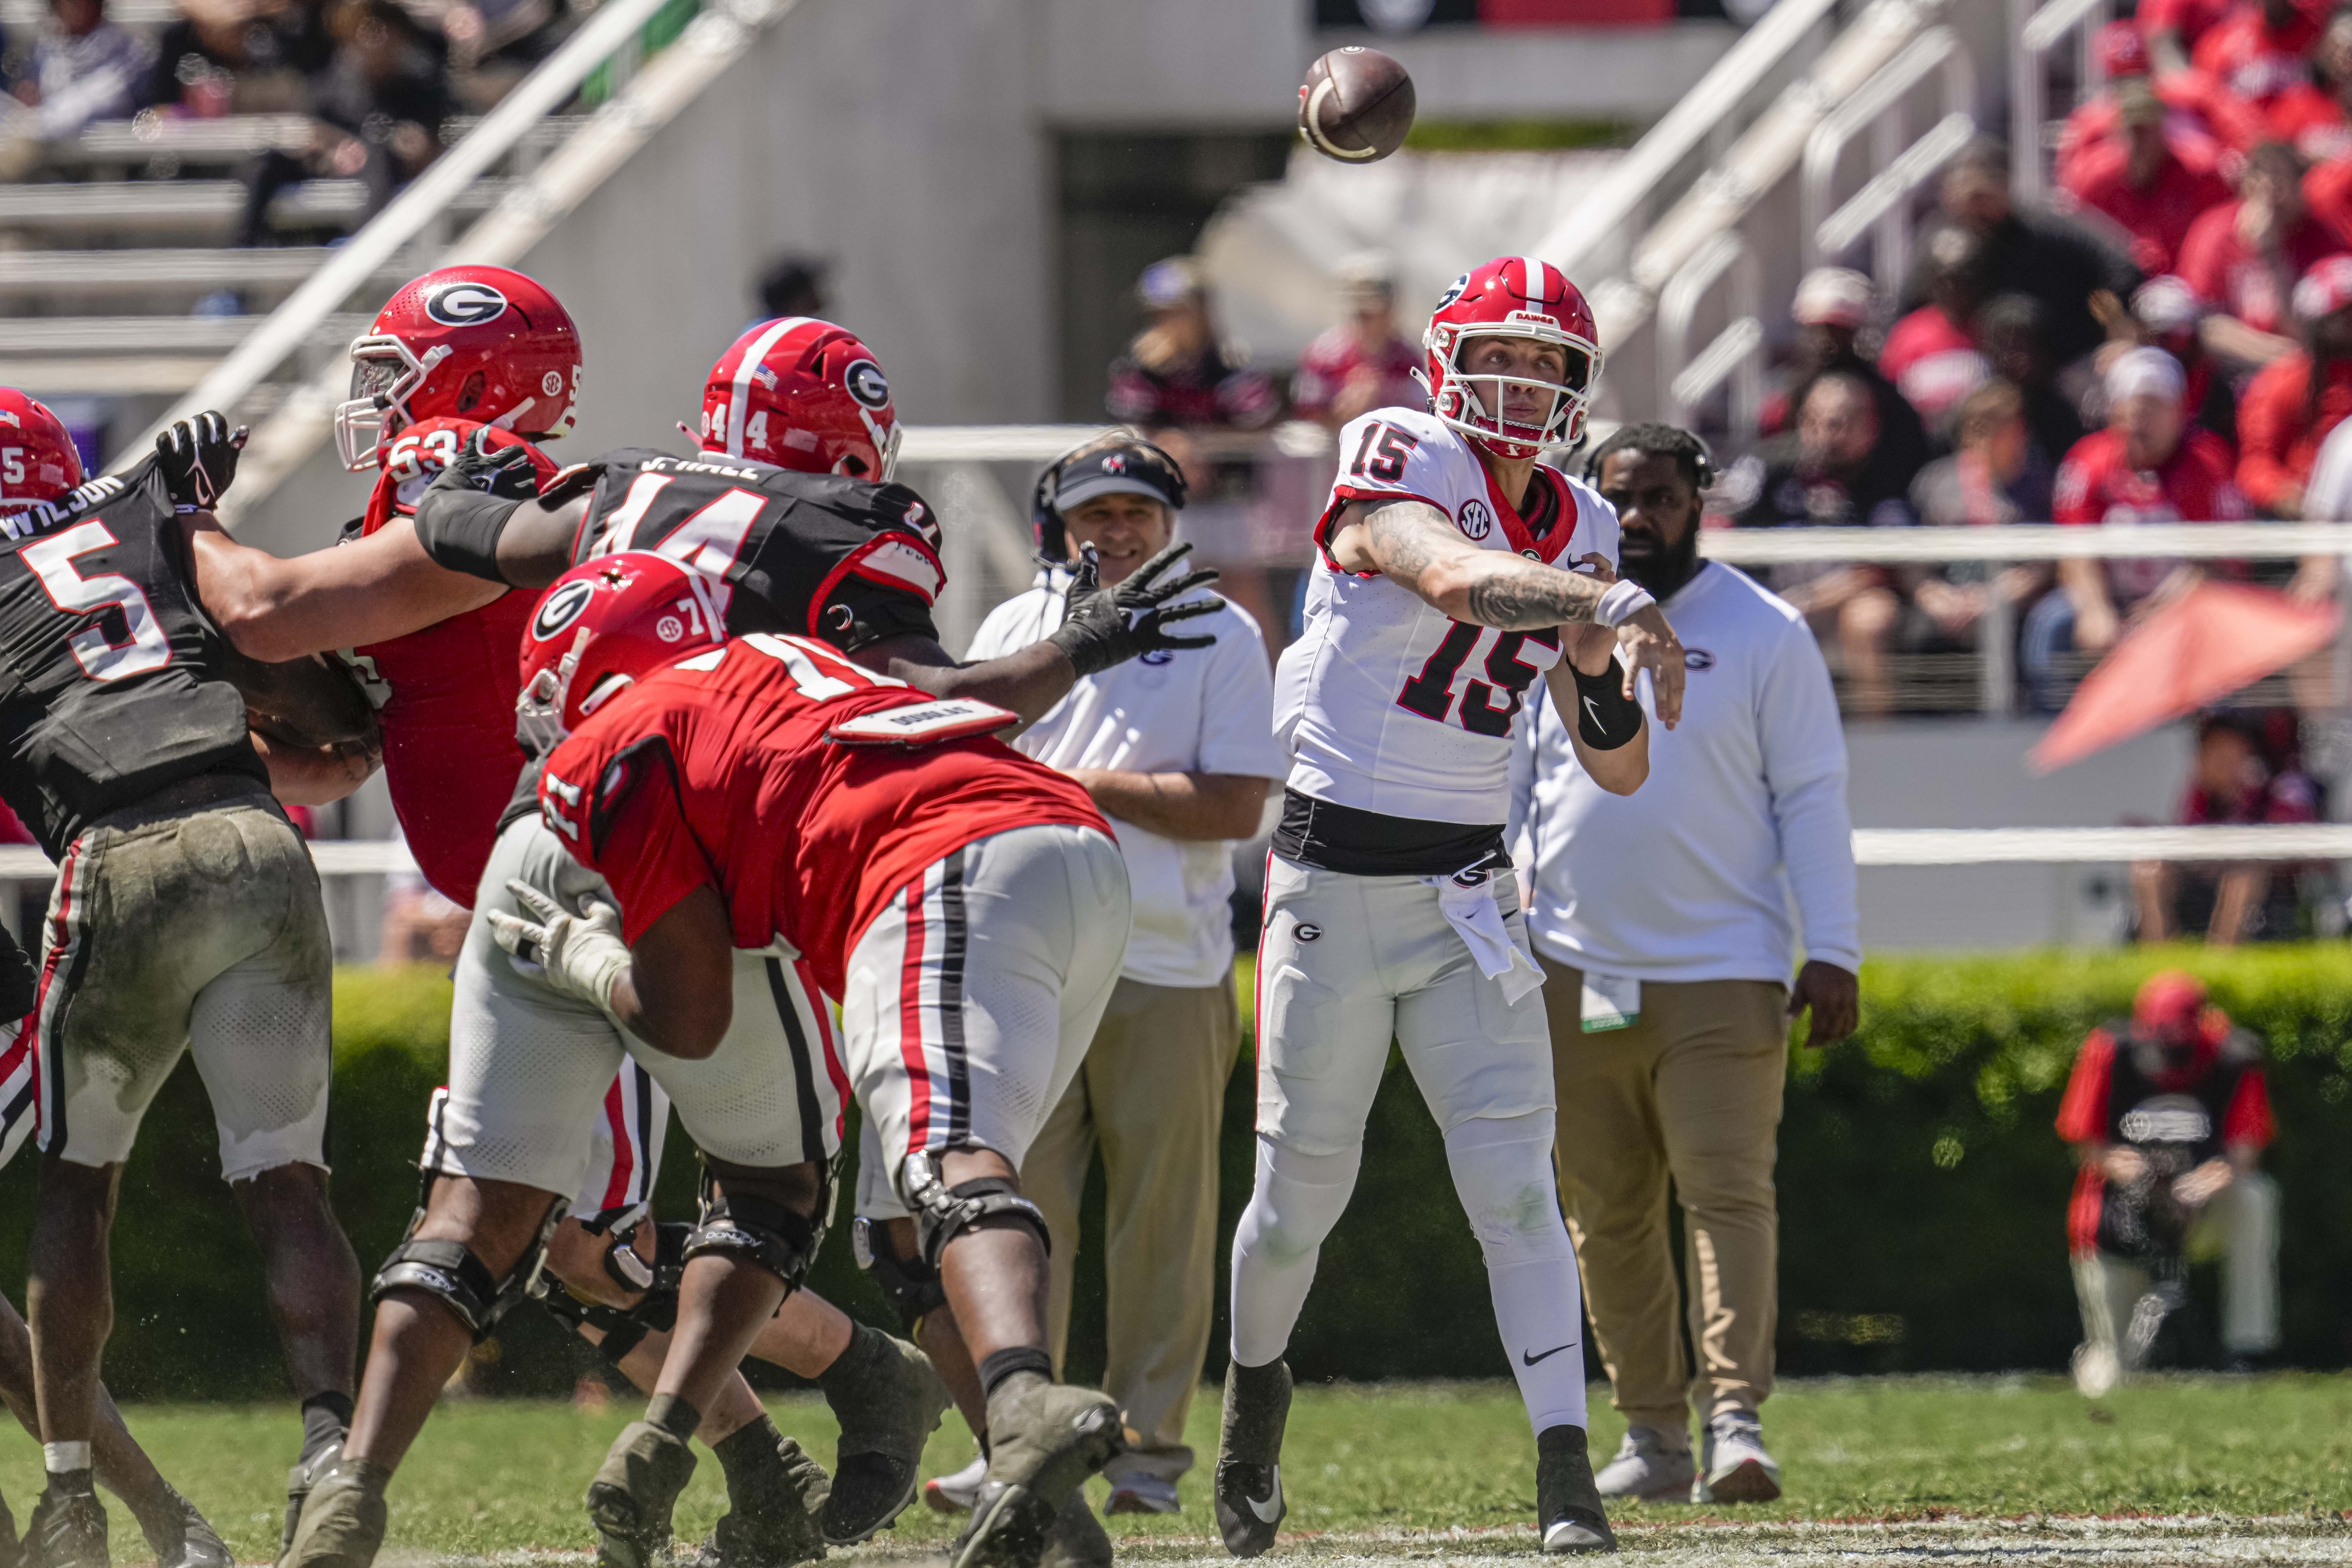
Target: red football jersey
x,y
719,771
449,749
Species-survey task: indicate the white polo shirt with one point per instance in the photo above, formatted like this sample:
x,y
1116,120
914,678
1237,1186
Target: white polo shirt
x,y
1183,711
1691,876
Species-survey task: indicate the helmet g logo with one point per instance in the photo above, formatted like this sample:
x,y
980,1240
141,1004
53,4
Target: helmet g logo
x,y
561,609
1453,292
864,379
1476,520
464,304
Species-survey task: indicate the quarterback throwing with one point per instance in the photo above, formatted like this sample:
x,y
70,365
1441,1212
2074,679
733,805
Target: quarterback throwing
x,y
1454,570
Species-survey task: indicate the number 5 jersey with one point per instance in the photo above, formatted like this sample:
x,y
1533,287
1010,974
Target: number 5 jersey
x,y
1386,705
106,695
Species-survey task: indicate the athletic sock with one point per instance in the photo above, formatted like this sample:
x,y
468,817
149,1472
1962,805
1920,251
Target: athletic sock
x,y
674,1415
1294,1203
750,1453
326,1420
840,1380
69,1467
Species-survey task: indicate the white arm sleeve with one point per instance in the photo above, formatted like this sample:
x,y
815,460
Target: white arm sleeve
x,y
1805,773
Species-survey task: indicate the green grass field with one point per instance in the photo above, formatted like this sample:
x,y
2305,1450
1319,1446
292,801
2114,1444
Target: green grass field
x,y
1367,1464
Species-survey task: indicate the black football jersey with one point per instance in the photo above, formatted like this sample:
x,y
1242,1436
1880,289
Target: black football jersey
x,y
819,555
106,691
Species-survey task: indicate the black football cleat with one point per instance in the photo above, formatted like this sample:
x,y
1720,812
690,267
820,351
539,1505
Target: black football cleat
x,y
1249,1498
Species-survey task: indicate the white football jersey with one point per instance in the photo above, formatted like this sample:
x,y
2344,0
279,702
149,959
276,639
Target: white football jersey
x,y
1386,704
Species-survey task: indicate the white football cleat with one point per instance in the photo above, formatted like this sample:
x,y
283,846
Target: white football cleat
x,y
1142,1493
956,1493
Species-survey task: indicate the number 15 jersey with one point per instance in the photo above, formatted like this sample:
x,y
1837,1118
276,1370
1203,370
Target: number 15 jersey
x,y
1385,704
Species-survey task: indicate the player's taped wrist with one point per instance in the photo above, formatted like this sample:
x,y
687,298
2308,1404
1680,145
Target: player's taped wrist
x,y
459,530
1623,601
1606,718
584,955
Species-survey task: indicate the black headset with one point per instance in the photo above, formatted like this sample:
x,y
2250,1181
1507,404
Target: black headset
x,y
1046,530
1707,472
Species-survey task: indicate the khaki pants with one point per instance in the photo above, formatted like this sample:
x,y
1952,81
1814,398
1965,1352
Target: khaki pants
x,y
2240,1226
1151,1094
1691,1091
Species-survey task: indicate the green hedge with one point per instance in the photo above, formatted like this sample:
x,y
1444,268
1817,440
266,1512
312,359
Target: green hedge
x,y
1922,1191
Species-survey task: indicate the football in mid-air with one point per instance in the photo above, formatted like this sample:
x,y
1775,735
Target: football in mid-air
x,y
1356,105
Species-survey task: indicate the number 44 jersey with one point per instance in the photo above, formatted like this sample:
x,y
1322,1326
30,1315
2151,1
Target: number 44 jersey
x,y
1386,705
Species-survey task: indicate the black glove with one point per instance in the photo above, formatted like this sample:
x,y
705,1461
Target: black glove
x,y
198,458
505,472
19,983
1104,627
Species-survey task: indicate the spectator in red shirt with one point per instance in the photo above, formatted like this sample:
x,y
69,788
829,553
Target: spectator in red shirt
x,y
1931,354
1176,372
2288,409
2208,130
2139,182
2243,258
2310,115
2149,465
1364,363
2233,782
2258,50
2174,27
2168,1112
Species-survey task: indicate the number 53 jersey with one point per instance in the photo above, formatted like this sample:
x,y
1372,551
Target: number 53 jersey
x,y
1385,703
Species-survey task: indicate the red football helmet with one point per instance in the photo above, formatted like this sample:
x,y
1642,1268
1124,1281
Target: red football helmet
x,y
801,394
1512,297
37,460
463,342
599,627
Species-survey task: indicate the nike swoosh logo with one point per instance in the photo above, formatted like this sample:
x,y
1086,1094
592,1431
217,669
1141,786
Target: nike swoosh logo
x,y
1270,1510
1594,708
1531,1359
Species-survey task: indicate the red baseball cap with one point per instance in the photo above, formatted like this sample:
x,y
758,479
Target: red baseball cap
x,y
2122,51
2170,1004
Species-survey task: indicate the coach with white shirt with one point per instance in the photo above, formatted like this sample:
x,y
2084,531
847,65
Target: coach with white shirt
x,y
1178,751
1662,919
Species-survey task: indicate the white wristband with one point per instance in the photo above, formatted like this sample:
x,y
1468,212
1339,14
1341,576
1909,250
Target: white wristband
x,y
1624,600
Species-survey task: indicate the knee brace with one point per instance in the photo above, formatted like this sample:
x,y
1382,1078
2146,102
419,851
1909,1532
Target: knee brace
x,y
912,1285
765,1232
1503,1175
449,1272
942,1212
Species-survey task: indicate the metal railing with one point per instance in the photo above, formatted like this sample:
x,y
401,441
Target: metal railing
x,y
2035,32
650,97
1880,204
1736,354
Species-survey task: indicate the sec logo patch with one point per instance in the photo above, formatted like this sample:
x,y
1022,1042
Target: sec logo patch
x,y
1476,520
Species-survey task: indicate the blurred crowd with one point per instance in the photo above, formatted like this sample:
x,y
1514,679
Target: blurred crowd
x,y
377,80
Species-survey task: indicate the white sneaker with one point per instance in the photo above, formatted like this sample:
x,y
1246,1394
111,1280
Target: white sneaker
x,y
956,1493
1732,1463
1142,1493
2096,1371
1646,1468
